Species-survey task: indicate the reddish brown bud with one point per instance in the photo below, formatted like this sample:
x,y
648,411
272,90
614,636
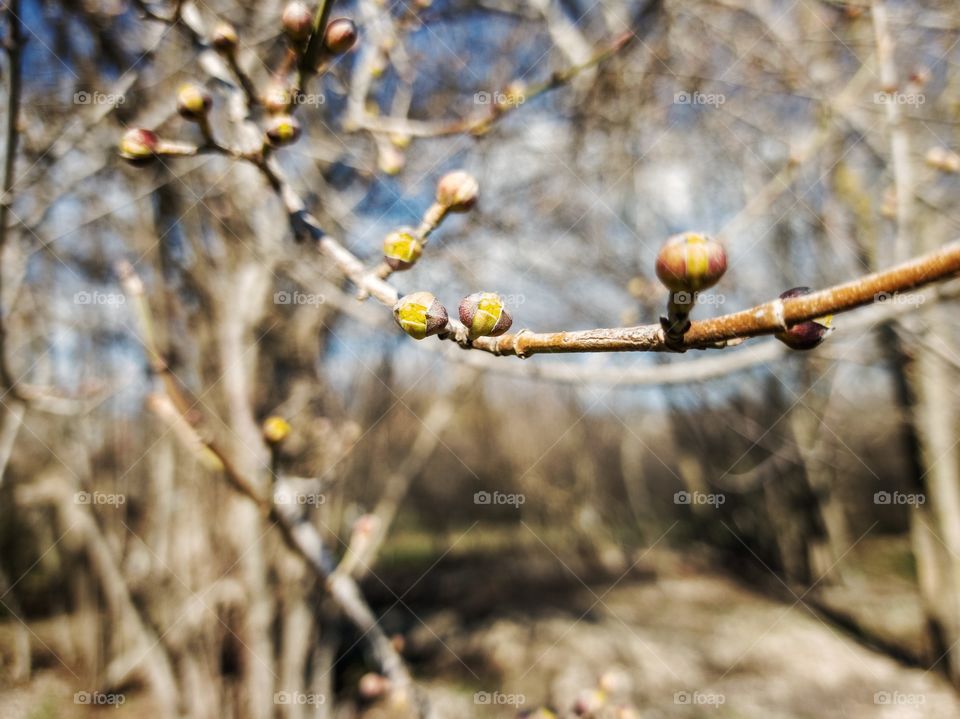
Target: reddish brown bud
x,y
483,313
282,130
277,99
373,686
193,102
224,37
457,191
401,249
138,145
340,35
297,21
805,335
420,315
691,262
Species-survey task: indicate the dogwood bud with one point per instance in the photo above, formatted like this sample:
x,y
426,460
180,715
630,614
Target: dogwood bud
x,y
193,102
282,130
401,249
690,262
224,37
805,335
420,315
457,191
340,35
277,99
483,314
297,21
138,145
275,429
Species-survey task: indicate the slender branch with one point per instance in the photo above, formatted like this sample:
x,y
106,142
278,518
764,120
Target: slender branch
x,y
766,319
301,536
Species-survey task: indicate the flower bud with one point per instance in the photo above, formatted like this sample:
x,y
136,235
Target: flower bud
x,y
483,314
277,99
401,249
372,686
138,145
805,335
589,702
275,429
690,262
297,21
943,160
224,37
282,130
457,191
193,102
340,35
420,315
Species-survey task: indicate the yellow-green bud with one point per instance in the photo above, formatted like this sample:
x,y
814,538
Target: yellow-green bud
x,y
275,429
282,130
401,249
691,262
483,313
340,35
297,21
420,315
138,145
224,37
457,191
193,102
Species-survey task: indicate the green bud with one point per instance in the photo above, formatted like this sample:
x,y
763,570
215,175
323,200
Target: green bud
x,y
282,130
691,262
483,314
420,315
138,145
401,249
193,103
